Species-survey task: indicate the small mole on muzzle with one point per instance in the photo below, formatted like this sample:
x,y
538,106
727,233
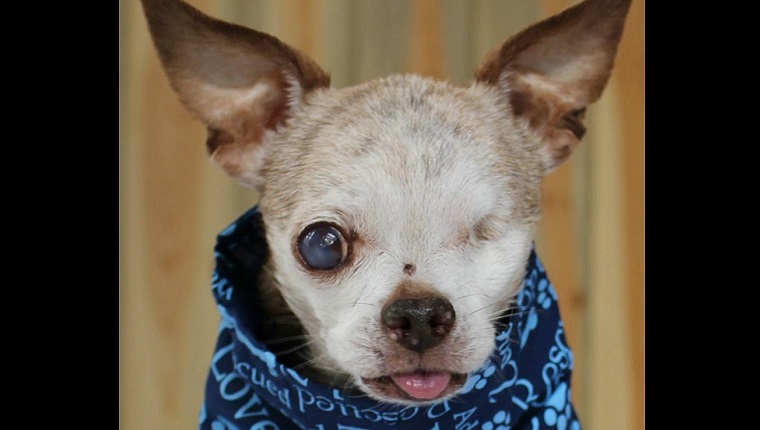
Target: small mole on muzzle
x,y
409,269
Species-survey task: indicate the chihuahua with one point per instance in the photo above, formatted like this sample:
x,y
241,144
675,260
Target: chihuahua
x,y
396,223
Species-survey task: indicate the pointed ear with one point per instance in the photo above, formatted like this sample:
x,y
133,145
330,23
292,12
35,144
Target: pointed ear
x,y
552,70
238,81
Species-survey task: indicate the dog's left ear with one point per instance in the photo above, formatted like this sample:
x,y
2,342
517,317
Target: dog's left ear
x,y
552,70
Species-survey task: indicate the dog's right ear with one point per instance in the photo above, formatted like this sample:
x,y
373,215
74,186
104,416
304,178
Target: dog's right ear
x,y
555,68
238,81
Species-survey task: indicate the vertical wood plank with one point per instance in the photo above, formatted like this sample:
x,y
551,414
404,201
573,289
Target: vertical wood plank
x,y
300,26
630,82
610,376
471,28
381,38
168,317
457,34
493,21
426,56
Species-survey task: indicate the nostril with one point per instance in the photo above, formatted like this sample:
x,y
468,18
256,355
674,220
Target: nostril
x,y
394,317
398,326
441,322
418,324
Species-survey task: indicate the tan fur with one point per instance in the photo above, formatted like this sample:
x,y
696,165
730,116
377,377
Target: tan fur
x,y
435,188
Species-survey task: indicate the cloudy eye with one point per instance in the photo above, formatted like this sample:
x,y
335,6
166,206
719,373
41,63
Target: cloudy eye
x,y
322,246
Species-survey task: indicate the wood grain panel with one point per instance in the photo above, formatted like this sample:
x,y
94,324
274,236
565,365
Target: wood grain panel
x,y
301,23
608,354
630,82
426,56
380,30
169,320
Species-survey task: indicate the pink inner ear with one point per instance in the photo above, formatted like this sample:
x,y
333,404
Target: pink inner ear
x,y
279,107
563,145
240,82
239,117
552,70
556,121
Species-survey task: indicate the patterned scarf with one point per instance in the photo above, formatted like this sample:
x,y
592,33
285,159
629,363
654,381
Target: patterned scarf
x,y
524,385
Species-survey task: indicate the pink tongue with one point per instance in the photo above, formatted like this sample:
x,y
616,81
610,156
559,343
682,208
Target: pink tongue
x,y
423,385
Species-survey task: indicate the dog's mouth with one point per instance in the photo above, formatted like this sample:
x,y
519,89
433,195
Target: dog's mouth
x,y
417,386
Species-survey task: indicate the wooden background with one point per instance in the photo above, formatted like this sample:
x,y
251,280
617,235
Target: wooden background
x,y
174,202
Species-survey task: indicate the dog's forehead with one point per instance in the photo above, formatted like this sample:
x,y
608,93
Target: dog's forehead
x,y
403,142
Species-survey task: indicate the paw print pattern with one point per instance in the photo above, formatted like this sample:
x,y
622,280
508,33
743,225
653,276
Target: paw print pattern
x,y
545,294
537,290
479,380
559,411
500,421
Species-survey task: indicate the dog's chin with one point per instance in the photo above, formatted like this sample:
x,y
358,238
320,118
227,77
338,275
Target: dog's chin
x,y
415,388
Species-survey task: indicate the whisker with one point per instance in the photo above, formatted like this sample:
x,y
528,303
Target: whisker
x,y
472,295
308,363
464,285
316,361
513,339
480,309
500,326
365,304
497,316
293,349
280,340
507,312
498,371
287,322
496,278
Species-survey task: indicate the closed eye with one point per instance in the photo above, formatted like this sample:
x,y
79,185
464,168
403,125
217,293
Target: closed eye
x,y
488,228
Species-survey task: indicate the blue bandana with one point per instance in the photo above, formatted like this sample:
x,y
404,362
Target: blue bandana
x,y
524,385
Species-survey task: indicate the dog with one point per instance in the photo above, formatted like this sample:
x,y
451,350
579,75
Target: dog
x,y
387,275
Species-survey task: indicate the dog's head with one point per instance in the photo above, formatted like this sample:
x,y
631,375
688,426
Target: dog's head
x,y
399,213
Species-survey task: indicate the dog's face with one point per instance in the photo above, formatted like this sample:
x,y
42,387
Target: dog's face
x,y
418,190
399,213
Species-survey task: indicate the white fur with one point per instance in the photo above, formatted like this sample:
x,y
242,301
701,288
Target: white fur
x,y
409,205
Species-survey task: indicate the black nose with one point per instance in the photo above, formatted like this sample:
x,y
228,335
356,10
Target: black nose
x,y
418,324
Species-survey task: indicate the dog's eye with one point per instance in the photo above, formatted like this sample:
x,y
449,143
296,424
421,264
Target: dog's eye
x,y
322,246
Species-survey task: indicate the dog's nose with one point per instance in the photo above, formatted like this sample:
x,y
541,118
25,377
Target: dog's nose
x,y
418,324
